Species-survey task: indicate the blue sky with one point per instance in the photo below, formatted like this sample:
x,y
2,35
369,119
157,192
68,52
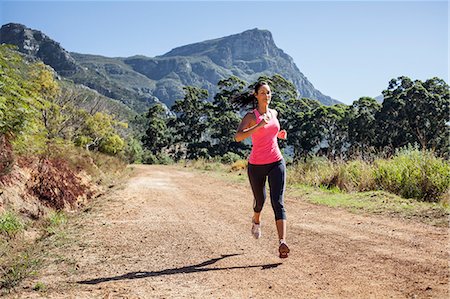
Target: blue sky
x,y
346,49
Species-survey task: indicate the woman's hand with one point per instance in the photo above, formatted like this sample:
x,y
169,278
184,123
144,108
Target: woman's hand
x,y
265,120
282,134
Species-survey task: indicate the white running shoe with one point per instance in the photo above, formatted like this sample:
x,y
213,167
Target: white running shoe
x,y
256,229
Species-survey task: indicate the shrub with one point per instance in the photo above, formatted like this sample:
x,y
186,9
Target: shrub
x,y
6,155
239,165
230,158
54,183
54,221
10,224
412,173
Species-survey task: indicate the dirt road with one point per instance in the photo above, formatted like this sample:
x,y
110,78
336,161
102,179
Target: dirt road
x,y
171,233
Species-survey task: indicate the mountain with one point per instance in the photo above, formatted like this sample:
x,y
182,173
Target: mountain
x,y
379,98
39,45
140,81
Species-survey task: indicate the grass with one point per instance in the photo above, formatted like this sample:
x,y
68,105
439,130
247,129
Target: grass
x,y
10,224
40,287
21,259
55,221
372,202
18,268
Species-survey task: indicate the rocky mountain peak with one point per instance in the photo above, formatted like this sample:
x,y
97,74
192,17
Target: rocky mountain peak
x,y
37,44
246,46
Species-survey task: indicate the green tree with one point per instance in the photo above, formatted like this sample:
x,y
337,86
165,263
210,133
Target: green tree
x,y
415,112
157,135
98,133
311,131
336,130
295,117
19,93
224,120
191,123
362,125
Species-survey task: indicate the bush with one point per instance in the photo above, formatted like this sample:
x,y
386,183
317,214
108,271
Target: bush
x,y
10,224
239,165
54,221
6,155
230,158
133,151
412,173
112,145
160,158
316,171
56,184
355,175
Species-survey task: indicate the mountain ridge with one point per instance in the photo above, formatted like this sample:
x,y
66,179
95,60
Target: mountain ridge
x,y
139,81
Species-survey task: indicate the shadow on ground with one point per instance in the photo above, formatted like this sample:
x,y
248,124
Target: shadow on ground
x,y
188,269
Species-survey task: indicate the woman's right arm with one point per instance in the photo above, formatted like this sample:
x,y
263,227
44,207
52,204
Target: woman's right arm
x,y
247,127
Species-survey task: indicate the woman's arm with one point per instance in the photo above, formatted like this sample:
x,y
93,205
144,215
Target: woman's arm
x,y
248,126
282,134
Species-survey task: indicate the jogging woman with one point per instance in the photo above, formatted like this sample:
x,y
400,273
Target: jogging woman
x,y
265,161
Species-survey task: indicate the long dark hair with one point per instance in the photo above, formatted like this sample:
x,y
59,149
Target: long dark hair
x,y
243,100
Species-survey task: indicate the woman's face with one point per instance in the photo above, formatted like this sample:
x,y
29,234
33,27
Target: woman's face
x,y
263,95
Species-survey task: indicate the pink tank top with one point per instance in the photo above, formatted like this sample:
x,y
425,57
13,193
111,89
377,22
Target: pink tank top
x,y
265,148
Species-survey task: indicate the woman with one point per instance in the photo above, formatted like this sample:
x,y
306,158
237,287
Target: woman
x,y
265,159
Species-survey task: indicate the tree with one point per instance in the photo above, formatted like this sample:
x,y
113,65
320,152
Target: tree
x,y
18,95
294,117
336,130
191,122
157,135
98,133
415,112
362,125
224,119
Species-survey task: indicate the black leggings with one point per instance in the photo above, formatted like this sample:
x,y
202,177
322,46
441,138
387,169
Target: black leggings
x,y
277,180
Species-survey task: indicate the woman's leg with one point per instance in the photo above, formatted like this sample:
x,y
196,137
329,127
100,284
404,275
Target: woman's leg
x,y
257,180
277,184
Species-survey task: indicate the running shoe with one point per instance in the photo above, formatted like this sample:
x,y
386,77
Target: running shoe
x,y
256,229
283,250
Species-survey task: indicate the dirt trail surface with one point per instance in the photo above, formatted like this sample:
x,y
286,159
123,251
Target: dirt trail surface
x,y
172,233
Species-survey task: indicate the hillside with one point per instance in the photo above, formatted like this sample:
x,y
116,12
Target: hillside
x,y
140,81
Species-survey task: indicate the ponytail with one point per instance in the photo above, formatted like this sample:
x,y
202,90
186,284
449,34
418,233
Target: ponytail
x,y
245,99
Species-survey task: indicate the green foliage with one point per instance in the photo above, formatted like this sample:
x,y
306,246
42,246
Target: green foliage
x,y
192,121
230,158
54,221
112,144
10,224
157,135
159,158
98,132
415,112
22,267
412,173
133,151
40,287
362,126
18,94
224,120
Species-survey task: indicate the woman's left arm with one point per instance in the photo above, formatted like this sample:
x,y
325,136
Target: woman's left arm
x,y
281,134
